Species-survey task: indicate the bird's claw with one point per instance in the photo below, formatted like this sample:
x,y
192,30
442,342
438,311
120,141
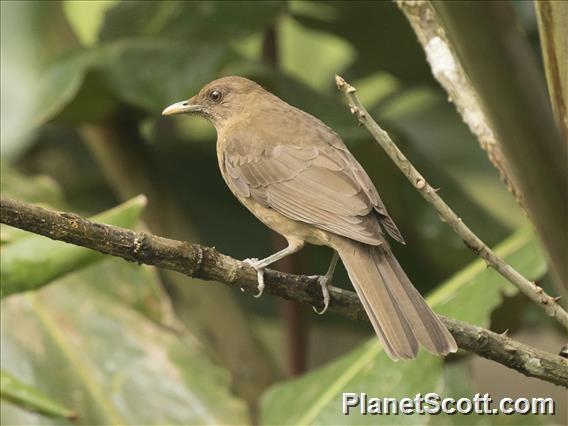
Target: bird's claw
x,y
253,262
323,281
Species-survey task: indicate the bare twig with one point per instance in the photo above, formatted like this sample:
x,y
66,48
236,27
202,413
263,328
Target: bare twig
x,y
449,72
208,264
471,240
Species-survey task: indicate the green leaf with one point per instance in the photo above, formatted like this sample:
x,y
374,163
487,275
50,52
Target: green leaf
x,y
175,72
179,20
469,296
109,362
474,292
97,77
44,85
30,263
38,189
33,34
18,393
86,17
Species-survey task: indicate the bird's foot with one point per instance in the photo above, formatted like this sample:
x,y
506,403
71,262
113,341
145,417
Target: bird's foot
x,y
323,281
254,262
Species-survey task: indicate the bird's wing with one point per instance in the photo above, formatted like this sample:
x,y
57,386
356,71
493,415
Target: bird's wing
x,y
321,185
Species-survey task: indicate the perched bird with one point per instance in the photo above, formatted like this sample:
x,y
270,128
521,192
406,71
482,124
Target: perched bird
x,y
296,175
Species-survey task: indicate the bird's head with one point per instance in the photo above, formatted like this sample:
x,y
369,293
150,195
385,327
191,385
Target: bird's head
x,y
218,100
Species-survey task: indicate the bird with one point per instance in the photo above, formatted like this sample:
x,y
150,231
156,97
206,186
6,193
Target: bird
x,y
296,175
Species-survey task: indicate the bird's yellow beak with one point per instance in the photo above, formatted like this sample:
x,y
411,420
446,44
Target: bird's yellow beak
x,y
182,107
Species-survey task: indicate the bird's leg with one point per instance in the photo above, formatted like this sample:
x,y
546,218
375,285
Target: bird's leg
x,y
260,265
324,281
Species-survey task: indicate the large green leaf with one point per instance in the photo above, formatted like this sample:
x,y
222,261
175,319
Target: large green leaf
x,y
30,263
470,296
186,20
107,362
45,78
16,392
33,189
175,70
474,292
33,33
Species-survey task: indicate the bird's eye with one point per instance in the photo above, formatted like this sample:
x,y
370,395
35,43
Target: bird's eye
x,y
215,95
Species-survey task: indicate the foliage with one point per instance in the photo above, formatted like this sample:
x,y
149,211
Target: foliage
x,y
102,339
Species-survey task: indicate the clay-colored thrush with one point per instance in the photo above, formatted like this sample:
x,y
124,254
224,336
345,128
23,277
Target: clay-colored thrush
x,y
297,176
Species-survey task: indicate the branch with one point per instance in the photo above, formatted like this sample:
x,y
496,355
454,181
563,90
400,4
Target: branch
x,y
208,264
534,292
448,71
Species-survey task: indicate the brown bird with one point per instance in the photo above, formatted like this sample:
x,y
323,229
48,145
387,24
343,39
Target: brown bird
x,y
296,175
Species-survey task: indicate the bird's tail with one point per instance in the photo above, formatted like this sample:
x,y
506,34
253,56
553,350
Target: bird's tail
x,y
400,316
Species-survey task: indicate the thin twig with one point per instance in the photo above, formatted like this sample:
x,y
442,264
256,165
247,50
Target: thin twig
x,y
208,264
534,292
448,71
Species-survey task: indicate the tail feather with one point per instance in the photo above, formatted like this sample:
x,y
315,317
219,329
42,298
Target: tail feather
x,y
400,316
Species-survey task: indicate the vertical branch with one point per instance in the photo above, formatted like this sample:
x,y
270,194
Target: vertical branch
x,y
449,72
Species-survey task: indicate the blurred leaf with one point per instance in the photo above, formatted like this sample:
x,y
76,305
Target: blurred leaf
x,y
189,20
470,296
458,380
108,362
59,83
378,30
33,33
30,263
16,392
102,75
136,286
298,46
86,17
33,189
45,86
175,71
474,292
